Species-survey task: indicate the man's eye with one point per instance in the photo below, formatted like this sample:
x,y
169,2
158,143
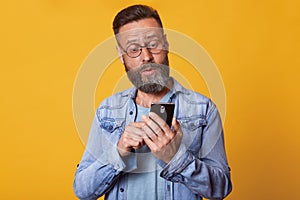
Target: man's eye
x,y
133,48
153,44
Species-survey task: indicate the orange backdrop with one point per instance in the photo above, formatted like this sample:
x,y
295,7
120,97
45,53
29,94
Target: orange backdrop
x,y
255,45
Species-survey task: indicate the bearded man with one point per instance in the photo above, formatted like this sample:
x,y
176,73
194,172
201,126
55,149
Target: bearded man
x,y
132,153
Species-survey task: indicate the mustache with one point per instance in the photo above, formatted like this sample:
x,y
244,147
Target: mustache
x,y
151,65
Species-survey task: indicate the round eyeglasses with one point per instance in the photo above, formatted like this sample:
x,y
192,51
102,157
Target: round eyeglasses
x,y
134,50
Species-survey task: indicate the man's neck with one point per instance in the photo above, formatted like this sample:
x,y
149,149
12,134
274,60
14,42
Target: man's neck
x,y
145,99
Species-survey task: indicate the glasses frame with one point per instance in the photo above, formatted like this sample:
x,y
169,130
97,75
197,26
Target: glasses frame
x,y
141,48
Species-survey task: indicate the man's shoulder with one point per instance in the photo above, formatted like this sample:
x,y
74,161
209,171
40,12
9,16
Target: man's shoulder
x,y
196,94
117,98
195,102
191,95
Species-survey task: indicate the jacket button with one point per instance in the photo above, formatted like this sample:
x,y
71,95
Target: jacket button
x,y
121,189
130,113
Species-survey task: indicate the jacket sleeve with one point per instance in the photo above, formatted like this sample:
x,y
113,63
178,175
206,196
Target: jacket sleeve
x,y
205,173
101,165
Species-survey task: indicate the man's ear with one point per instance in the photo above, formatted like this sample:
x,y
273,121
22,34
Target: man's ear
x,y
120,53
166,43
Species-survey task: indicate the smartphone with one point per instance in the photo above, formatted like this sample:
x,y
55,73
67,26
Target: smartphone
x,y
164,110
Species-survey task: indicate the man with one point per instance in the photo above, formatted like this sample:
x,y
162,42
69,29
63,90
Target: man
x,y
133,154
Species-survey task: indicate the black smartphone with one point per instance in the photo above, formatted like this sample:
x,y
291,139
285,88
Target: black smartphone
x,y
164,110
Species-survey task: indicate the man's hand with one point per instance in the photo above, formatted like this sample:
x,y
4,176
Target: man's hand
x,y
132,138
162,142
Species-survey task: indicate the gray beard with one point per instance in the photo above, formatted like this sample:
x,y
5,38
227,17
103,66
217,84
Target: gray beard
x,y
153,83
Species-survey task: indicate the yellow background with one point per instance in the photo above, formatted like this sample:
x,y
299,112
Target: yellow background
x,y
255,45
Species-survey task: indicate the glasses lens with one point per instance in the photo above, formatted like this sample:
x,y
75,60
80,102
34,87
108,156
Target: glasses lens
x,y
133,50
155,46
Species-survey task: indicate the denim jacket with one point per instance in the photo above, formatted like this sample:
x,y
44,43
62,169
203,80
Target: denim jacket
x,y
198,169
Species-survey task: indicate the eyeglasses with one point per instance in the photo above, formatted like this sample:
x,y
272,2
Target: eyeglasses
x,y
134,50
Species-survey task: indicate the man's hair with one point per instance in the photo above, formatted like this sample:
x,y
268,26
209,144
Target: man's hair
x,y
134,13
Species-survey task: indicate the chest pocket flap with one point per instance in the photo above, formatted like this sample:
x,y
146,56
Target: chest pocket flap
x,y
111,124
192,123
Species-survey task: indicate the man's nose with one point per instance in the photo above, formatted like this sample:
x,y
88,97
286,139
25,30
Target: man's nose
x,y
146,55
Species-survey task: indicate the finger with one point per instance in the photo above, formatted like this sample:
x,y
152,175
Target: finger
x,y
150,133
150,144
138,124
168,133
159,139
132,142
134,132
159,121
175,124
153,125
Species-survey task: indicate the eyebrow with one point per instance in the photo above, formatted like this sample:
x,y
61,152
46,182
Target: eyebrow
x,y
149,36
131,41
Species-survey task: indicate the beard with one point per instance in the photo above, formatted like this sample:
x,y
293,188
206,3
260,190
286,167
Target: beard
x,y
153,83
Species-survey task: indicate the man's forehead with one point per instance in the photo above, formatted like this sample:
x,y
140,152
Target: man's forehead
x,y
139,34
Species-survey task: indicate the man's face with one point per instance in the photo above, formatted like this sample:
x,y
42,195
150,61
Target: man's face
x,y
144,52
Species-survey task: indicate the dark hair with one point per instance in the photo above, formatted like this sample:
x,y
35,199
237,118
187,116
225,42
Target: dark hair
x,y
134,13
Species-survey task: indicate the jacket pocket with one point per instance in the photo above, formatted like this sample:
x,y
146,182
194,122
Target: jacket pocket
x,y
192,128
111,124
192,124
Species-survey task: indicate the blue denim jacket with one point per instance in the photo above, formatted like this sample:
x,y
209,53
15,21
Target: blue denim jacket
x,y
199,168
